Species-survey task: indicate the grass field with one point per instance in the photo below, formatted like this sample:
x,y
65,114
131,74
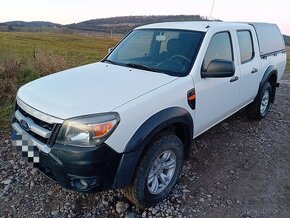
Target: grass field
x,y
288,58
77,49
27,56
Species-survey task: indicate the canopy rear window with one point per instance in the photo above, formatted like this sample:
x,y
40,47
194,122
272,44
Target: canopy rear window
x,y
270,38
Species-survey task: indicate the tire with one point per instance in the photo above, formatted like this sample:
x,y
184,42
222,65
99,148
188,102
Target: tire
x,y
260,106
143,192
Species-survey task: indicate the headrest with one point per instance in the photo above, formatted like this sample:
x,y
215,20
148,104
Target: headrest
x,y
173,45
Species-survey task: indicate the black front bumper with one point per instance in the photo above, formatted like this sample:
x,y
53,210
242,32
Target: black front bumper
x,y
78,168
81,169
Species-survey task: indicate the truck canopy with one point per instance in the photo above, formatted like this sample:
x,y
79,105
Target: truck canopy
x,y
269,37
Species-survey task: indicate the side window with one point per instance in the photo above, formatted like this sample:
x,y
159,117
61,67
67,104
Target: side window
x,y
246,45
220,47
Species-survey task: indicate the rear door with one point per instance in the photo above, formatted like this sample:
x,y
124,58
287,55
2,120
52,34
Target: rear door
x,y
216,98
248,65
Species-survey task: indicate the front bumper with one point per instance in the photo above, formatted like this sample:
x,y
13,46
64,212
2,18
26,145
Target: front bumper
x,y
76,168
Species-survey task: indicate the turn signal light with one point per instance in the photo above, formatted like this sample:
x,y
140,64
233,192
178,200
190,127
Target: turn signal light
x,y
102,129
191,97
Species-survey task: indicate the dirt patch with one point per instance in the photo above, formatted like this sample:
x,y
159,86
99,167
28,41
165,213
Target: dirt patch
x,y
239,168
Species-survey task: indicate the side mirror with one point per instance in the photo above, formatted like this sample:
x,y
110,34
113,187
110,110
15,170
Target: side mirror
x,y
110,50
219,68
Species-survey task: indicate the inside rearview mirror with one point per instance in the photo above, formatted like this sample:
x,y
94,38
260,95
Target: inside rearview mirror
x,y
160,38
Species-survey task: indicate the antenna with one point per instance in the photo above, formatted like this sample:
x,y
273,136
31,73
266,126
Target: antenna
x,y
210,16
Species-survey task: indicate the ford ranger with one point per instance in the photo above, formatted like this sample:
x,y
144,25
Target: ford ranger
x,y
128,121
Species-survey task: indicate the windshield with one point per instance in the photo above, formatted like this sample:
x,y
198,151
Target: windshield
x,y
158,50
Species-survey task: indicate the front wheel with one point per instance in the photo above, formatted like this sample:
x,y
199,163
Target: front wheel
x,y
260,106
157,172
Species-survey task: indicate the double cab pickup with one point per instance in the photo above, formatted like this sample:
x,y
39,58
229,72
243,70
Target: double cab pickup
x,y
128,121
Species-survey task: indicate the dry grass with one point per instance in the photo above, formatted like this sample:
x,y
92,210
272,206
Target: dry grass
x,y
14,73
28,56
9,69
49,63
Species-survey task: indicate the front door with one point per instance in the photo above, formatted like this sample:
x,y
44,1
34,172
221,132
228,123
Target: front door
x,y
216,98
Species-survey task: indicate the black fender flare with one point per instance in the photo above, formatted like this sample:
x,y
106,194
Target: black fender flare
x,y
142,137
271,70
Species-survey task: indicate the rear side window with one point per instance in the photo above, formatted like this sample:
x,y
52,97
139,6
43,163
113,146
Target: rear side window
x,y
220,47
246,45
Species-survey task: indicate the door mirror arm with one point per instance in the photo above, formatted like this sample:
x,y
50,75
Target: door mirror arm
x,y
110,50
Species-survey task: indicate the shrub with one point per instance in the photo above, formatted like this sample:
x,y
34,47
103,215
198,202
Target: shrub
x,y
9,69
49,63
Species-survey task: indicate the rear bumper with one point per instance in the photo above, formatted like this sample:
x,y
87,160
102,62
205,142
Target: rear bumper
x,y
80,169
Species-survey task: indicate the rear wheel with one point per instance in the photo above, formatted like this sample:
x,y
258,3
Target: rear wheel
x,y
157,172
260,106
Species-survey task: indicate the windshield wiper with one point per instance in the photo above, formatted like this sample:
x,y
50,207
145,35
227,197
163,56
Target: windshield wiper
x,y
142,67
111,62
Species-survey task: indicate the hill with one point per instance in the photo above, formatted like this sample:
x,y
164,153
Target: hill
x,y
118,25
125,24
33,24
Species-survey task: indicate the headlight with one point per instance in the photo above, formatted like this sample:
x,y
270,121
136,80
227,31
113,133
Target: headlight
x,y
88,130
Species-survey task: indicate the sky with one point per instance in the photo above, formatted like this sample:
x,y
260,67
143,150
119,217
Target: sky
x,y
73,11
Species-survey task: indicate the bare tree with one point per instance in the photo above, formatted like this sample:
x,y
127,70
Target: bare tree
x,y
10,28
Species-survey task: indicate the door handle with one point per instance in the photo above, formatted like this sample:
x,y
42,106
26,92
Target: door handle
x,y
233,79
255,70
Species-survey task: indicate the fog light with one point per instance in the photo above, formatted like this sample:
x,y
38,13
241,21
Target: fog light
x,y
80,184
83,184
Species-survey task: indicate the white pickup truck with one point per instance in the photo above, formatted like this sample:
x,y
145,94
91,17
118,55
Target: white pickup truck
x,y
127,122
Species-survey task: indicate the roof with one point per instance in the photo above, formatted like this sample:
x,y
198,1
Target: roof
x,y
202,26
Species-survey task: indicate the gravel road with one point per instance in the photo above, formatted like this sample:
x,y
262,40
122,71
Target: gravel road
x,y
239,168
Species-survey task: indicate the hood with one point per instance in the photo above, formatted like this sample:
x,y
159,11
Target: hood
x,y
89,89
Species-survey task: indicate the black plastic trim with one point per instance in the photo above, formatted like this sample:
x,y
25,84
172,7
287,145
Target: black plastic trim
x,y
66,164
126,169
264,56
156,123
54,134
144,135
271,70
218,68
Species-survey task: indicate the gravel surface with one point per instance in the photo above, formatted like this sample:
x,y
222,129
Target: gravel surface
x,y
239,168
